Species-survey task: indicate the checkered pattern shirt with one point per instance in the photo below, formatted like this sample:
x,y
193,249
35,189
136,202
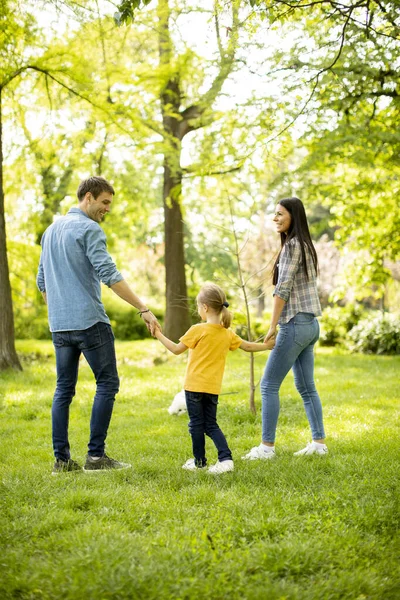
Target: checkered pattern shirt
x,y
299,293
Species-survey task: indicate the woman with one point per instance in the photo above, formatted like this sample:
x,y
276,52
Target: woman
x,y
295,308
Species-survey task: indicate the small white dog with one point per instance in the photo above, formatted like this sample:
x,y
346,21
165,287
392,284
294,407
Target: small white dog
x,y
178,406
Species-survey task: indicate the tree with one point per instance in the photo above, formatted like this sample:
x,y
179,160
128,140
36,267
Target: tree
x,y
179,120
353,145
19,44
189,96
8,355
250,284
11,36
181,109
342,70
180,96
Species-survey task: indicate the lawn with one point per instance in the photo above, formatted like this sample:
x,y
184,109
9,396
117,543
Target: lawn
x,y
297,528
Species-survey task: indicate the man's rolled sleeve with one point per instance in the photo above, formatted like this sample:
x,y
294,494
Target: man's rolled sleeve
x,y
289,264
40,277
96,251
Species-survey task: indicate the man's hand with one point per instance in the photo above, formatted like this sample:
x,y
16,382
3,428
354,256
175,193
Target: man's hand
x,y
151,322
122,289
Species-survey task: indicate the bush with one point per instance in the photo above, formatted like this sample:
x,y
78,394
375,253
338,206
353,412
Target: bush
x,y
129,327
259,327
31,325
127,324
337,321
379,334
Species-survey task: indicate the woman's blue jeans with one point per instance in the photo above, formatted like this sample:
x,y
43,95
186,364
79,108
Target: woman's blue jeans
x,y
202,411
97,346
294,348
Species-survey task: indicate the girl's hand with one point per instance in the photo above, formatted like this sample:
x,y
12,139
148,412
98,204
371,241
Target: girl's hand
x,y
151,322
271,334
270,344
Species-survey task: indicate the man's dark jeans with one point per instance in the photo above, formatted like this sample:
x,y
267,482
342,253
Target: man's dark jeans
x,y
97,345
202,410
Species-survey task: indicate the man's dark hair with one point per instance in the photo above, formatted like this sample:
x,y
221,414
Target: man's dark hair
x,y
94,185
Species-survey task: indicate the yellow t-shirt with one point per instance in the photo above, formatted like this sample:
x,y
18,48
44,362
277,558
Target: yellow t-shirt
x,y
208,345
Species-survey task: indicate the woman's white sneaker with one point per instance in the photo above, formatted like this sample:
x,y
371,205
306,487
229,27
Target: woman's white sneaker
x,y
221,467
312,448
260,453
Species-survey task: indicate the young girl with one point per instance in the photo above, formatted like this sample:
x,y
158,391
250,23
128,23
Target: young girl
x,y
208,345
295,308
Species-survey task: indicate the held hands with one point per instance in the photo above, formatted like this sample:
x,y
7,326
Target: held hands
x,y
270,344
151,322
270,338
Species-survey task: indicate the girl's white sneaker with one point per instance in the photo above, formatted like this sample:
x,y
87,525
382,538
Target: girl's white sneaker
x,y
190,465
222,467
312,448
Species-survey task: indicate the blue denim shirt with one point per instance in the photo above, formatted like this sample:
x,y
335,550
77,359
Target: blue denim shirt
x,y
73,262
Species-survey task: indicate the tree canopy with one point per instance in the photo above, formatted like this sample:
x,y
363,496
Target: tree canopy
x,y
184,105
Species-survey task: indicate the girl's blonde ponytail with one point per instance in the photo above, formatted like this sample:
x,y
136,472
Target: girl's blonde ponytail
x,y
215,298
226,317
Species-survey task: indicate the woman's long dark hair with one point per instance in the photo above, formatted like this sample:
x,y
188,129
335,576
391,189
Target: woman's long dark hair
x,y
298,229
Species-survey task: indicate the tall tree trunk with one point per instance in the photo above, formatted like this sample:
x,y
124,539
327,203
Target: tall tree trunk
x,y
8,355
178,122
177,319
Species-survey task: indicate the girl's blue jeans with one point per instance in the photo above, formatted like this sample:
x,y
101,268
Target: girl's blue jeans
x,y
294,349
202,411
97,345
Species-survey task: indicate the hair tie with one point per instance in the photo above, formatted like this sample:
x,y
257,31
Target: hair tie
x,y
226,304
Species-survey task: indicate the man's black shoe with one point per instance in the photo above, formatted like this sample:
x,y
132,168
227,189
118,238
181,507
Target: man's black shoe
x,y
63,466
104,463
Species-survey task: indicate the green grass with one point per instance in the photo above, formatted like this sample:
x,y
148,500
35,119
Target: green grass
x,y
293,528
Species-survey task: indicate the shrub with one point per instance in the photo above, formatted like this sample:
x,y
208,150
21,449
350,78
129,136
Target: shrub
x,y
337,321
259,327
379,334
31,325
127,324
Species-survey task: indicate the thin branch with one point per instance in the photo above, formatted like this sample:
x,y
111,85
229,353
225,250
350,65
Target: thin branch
x,y
48,92
258,272
188,172
103,48
217,31
243,246
50,75
196,111
342,40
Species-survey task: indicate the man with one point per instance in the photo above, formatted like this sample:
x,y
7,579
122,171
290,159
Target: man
x,y
73,262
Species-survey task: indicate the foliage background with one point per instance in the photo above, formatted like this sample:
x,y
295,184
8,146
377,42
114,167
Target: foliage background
x,y
310,108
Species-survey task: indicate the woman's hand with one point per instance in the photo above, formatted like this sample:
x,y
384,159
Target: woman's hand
x,y
271,334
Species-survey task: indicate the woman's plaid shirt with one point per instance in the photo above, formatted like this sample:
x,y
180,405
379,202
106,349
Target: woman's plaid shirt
x,y
299,293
